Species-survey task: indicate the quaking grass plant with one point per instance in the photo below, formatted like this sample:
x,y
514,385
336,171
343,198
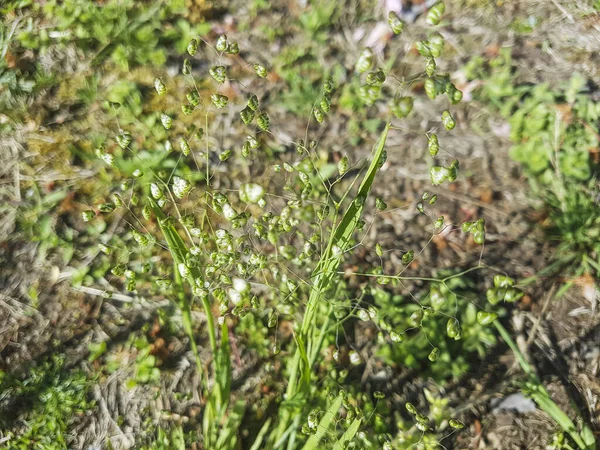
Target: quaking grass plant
x,y
270,241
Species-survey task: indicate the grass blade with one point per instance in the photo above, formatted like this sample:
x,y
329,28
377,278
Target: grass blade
x,y
348,435
223,373
324,423
535,389
228,436
261,435
322,276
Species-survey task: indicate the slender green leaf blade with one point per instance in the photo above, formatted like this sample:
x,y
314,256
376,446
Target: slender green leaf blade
x,y
324,423
348,435
261,435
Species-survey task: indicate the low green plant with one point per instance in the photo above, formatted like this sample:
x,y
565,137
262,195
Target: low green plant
x,y
36,410
124,32
119,35
551,127
574,225
454,328
145,364
553,135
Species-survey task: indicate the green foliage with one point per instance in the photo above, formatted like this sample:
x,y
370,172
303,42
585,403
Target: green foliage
x,y
317,21
300,63
547,141
120,31
553,138
550,128
123,34
15,85
303,75
36,410
173,439
574,223
444,319
553,135
145,364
